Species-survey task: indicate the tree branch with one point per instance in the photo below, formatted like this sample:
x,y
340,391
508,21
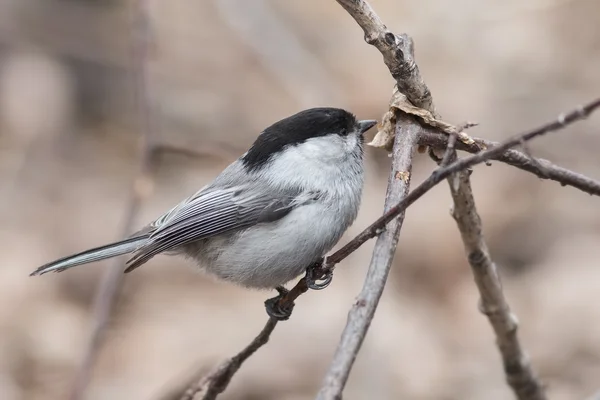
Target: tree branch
x,y
363,310
377,227
216,382
565,177
404,69
397,51
398,56
519,373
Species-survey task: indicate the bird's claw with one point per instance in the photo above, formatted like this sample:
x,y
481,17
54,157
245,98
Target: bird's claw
x,y
274,307
318,277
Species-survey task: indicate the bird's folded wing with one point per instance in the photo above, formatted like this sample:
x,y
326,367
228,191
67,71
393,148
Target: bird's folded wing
x,y
213,212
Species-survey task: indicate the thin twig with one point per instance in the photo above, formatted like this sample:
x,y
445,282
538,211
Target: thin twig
x,y
533,160
450,152
111,281
363,310
216,382
442,173
517,159
519,372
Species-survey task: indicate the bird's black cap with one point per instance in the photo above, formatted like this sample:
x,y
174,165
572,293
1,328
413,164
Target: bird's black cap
x,y
297,129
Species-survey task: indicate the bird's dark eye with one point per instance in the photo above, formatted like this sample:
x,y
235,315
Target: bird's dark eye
x,y
343,132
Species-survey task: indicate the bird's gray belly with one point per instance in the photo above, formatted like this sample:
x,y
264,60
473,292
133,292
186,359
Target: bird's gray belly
x,y
271,254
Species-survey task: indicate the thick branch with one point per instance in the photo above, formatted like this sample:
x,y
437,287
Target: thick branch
x,y
518,370
538,166
362,312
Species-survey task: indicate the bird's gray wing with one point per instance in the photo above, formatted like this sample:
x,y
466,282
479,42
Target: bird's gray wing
x,y
215,211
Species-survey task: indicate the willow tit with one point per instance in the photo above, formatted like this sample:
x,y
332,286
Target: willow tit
x,y
269,215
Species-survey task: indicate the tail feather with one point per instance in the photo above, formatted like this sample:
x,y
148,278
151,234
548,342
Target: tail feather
x,y
99,253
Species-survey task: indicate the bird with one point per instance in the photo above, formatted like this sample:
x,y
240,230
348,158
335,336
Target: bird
x,y
268,216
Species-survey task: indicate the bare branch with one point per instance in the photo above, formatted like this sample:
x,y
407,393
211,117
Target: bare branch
x,y
216,382
397,51
561,122
450,153
443,172
141,187
370,232
363,310
403,68
518,370
550,171
398,56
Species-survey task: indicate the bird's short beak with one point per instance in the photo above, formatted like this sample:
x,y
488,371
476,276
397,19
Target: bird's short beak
x,y
365,125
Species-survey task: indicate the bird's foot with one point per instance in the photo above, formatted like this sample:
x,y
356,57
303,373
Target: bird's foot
x,y
317,276
275,309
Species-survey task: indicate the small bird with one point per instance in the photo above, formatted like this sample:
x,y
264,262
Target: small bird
x,y
267,217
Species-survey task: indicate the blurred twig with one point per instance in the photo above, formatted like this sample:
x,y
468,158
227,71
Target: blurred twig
x,y
595,396
363,309
518,159
280,51
140,190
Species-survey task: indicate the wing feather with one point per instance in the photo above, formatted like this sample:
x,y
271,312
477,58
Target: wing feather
x,y
213,212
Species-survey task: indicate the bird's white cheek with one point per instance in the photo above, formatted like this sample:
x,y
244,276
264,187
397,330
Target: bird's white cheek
x,y
352,142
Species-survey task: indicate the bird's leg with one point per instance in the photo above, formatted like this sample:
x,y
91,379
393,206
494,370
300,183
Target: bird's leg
x,y
317,272
274,307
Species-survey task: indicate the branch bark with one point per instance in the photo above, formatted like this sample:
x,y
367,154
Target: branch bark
x,y
517,368
362,311
404,69
398,56
397,51
540,167
216,382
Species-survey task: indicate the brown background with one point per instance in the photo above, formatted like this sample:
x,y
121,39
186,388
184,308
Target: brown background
x,y
222,70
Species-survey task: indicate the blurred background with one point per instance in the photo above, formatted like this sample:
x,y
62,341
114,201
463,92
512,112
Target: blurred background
x,y
219,71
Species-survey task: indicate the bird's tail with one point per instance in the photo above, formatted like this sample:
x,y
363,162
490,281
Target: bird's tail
x,y
99,253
